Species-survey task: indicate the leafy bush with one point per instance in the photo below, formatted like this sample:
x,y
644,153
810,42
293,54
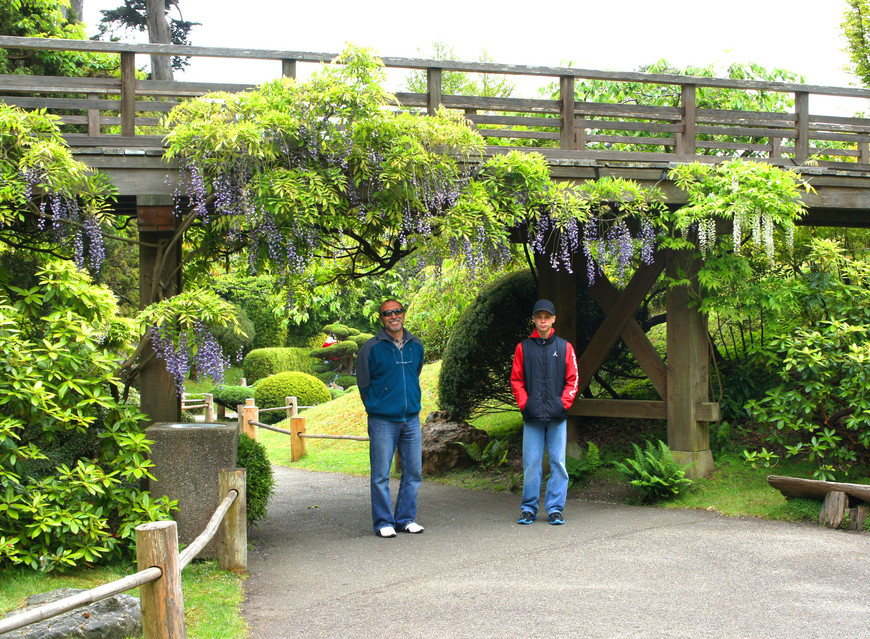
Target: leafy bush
x,y
264,362
579,469
493,455
231,396
346,381
273,391
475,372
234,345
820,410
654,472
259,479
71,456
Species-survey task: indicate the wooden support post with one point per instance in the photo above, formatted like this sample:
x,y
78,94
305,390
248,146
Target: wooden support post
x,y
292,407
686,139
243,382
233,531
834,508
802,127
297,443
288,68
93,117
864,152
433,88
250,413
567,139
857,517
210,417
128,94
162,601
688,370
221,412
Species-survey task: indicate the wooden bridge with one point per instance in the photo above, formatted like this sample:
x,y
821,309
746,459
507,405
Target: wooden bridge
x,y
113,124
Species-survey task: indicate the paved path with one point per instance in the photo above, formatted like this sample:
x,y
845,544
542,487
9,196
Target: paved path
x,y
317,570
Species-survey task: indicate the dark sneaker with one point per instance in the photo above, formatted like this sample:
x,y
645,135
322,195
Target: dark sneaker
x,y
555,518
526,517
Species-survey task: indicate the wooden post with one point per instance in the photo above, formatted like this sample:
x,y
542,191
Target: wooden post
x,y
209,409
566,92
243,382
833,509
433,88
233,531
250,413
686,139
297,443
288,70
162,601
93,117
221,412
128,94
688,374
288,402
802,126
294,407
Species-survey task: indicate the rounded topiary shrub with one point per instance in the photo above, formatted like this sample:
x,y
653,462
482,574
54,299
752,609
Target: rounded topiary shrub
x,y
263,362
231,396
273,391
260,482
475,371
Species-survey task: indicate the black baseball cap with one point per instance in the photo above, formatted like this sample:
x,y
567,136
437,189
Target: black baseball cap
x,y
544,305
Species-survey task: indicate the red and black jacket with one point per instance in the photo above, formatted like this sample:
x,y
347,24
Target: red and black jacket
x,y
544,377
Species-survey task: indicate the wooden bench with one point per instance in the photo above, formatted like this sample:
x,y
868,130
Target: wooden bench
x,y
837,498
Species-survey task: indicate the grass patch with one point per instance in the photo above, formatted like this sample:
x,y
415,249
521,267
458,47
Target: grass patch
x,y
212,598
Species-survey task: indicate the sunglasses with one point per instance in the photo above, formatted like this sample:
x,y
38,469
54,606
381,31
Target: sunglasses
x,y
392,311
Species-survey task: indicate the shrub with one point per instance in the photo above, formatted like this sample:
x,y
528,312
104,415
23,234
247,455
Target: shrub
x,y
346,381
259,479
235,345
263,362
654,472
475,372
579,469
268,329
231,396
272,391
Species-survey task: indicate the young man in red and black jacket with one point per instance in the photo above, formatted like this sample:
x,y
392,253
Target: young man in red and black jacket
x,y
544,382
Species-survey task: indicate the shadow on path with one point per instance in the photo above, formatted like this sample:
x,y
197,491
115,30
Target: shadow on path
x,y
317,570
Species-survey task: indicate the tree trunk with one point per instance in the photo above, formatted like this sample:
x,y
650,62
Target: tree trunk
x,y
158,32
76,11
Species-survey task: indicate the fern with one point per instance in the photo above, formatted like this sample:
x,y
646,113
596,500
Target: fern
x,y
579,469
654,472
491,457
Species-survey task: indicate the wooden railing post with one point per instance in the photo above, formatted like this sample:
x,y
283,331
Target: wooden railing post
x,y
250,413
233,531
567,138
93,117
297,443
209,409
290,403
433,88
294,406
162,600
128,94
802,127
686,139
288,70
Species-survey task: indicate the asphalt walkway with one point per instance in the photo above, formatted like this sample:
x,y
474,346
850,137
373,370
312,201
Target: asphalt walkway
x,y
317,570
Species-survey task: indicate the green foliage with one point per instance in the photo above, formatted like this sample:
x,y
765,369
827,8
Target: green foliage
x,y
259,479
456,83
493,455
580,469
654,472
231,396
820,409
257,298
345,381
475,369
798,509
236,343
58,372
855,29
273,391
263,362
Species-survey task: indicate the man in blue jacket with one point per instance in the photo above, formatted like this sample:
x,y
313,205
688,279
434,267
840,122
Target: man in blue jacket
x,y
388,376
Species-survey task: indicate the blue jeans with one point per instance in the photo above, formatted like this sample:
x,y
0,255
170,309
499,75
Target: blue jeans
x,y
535,436
385,437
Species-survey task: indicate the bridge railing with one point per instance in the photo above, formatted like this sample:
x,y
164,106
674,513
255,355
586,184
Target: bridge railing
x,y
125,111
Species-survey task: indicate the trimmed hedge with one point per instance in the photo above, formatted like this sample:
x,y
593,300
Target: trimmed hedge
x,y
475,371
273,391
263,362
231,396
259,479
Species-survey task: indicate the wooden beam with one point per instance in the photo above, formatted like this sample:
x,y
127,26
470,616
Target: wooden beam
x,y
637,409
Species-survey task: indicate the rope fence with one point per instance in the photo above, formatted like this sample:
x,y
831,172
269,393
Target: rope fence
x,y
160,565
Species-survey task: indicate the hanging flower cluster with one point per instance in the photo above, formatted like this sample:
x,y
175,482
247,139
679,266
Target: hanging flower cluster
x,y
183,350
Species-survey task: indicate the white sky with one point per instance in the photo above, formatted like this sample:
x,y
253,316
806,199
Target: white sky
x,y
803,36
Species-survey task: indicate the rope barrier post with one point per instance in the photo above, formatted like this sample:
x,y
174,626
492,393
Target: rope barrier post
x,y
290,402
209,409
243,382
297,443
233,532
250,413
162,600
295,405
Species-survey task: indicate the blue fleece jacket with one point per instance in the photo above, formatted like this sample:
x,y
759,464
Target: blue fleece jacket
x,y
388,376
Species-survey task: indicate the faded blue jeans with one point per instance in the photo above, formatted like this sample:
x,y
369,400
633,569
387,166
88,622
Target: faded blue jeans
x,y
536,435
384,438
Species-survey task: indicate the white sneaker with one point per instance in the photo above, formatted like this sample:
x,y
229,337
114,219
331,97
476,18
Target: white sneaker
x,y
414,528
386,531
